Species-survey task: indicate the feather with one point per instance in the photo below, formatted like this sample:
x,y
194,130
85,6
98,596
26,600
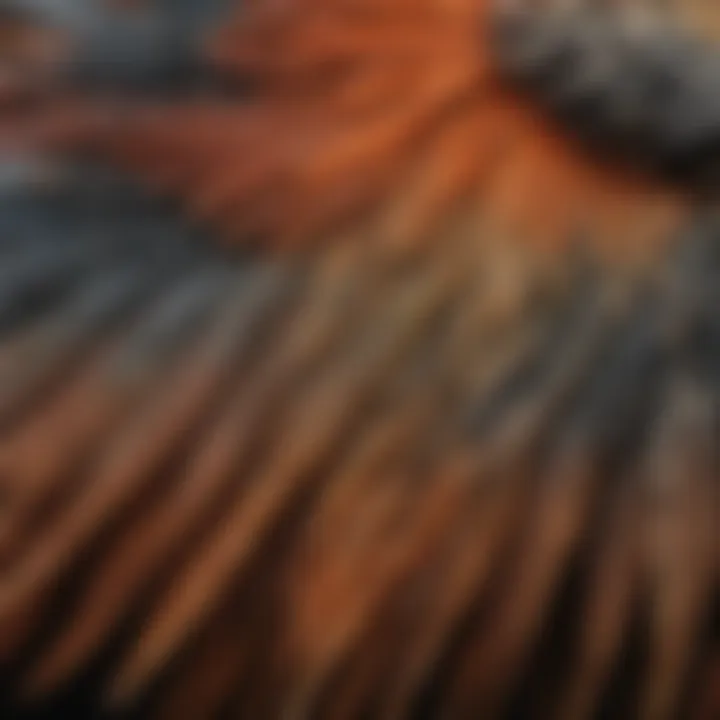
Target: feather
x,y
350,367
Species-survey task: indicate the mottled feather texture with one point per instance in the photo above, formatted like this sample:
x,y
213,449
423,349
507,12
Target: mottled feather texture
x,y
350,369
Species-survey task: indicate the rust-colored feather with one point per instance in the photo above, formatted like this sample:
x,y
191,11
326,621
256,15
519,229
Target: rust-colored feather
x,y
348,105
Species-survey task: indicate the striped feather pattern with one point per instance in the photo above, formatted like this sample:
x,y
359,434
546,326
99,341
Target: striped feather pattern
x,y
434,435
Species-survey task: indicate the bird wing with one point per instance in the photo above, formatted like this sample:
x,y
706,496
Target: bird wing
x,y
366,377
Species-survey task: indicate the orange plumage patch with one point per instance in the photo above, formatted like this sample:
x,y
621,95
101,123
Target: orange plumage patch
x,y
387,114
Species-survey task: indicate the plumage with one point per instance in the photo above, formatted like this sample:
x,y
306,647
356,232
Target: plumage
x,y
350,367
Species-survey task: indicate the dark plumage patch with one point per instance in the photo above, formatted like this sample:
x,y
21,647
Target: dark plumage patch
x,y
644,91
